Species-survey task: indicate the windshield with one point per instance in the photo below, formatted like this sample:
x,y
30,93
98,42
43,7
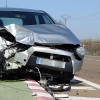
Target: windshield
x,y
23,18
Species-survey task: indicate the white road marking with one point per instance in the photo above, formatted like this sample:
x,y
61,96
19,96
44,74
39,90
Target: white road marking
x,y
74,87
42,94
82,87
61,95
90,59
31,82
65,96
92,56
97,60
88,82
36,87
79,98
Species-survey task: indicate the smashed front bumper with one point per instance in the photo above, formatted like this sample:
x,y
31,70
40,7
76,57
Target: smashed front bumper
x,y
45,58
48,58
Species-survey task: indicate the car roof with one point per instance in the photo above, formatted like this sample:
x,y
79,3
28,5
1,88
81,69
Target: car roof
x,y
19,9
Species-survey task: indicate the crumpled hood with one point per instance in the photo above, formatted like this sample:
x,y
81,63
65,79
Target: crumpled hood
x,y
47,34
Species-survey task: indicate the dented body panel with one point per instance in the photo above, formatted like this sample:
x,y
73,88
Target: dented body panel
x,y
52,34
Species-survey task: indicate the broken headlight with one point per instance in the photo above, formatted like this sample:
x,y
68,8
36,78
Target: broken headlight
x,y
80,51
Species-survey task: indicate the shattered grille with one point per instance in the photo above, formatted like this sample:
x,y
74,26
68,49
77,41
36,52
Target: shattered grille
x,y
52,56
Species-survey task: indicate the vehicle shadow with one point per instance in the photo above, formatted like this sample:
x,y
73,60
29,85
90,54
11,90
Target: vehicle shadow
x,y
76,83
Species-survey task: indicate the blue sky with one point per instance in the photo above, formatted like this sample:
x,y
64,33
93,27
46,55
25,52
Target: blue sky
x,y
85,14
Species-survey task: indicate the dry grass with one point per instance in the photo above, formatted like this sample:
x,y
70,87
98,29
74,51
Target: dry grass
x,y
92,46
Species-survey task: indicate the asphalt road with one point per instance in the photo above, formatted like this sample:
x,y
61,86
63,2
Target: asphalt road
x,y
91,69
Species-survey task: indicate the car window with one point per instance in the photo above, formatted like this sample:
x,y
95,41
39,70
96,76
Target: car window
x,y
46,19
24,18
6,21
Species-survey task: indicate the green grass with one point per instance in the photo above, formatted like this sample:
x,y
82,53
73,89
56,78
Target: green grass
x,y
15,91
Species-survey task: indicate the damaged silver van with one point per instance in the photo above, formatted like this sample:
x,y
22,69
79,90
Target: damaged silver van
x,y
31,40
